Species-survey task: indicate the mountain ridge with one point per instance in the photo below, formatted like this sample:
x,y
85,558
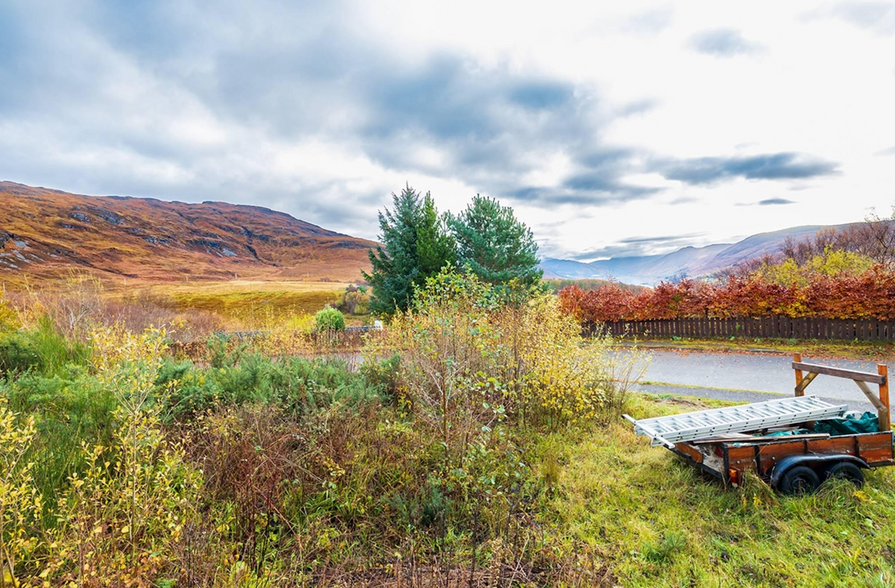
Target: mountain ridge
x,y
46,233
692,262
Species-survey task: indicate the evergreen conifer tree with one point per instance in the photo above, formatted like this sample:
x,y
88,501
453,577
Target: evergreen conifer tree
x,y
417,246
496,247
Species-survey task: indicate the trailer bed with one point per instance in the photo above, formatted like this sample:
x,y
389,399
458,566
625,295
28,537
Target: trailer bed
x,y
729,461
729,442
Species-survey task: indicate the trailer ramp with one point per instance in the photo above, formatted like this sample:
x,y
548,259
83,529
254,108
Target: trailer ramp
x,y
678,428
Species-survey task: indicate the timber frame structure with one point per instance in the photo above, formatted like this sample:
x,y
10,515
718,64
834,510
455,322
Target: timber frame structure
x,y
806,372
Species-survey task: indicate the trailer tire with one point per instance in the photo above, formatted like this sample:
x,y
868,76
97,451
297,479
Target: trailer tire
x,y
846,470
799,480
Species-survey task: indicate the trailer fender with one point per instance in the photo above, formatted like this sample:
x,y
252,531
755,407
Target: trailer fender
x,y
812,460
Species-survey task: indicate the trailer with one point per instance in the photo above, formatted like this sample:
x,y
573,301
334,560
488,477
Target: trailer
x,y
779,440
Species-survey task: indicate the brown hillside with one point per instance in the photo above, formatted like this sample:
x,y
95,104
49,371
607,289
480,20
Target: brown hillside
x,y
45,234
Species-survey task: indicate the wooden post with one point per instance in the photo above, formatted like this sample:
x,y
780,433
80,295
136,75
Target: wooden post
x,y
797,357
885,421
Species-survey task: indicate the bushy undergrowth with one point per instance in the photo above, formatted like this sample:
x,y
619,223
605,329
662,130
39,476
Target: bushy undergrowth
x,y
297,384
473,355
249,465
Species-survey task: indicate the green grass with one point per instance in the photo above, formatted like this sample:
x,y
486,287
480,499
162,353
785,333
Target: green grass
x,y
656,521
861,350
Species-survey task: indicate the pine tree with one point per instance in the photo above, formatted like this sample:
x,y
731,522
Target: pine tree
x,y
417,246
497,247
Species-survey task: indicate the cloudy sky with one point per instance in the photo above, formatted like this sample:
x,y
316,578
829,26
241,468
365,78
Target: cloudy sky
x,y
611,128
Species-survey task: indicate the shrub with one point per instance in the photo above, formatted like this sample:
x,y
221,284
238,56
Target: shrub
x,y
469,360
9,319
329,319
300,386
382,374
17,353
74,307
71,409
119,520
42,349
20,503
355,300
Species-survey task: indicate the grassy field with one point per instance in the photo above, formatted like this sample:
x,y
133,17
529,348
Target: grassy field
x,y
237,304
243,298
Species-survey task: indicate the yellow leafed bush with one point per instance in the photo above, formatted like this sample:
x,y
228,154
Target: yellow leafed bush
x,y
468,349
9,319
20,503
563,375
120,519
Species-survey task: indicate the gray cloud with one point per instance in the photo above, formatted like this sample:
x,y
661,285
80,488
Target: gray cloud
x,y
885,152
650,22
768,202
776,166
127,68
178,99
635,108
878,17
723,43
639,246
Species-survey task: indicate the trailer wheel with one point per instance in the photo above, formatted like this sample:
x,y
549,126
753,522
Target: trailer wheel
x,y
798,481
846,470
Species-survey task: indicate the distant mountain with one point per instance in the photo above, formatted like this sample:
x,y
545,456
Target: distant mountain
x,y
687,262
46,233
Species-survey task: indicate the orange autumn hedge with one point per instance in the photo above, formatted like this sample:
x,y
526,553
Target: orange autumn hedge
x,y
868,295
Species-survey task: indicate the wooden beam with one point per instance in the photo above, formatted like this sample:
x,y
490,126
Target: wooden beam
x,y
885,419
757,438
840,373
797,358
800,389
877,404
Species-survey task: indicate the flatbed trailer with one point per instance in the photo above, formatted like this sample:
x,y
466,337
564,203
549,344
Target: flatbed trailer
x,y
729,442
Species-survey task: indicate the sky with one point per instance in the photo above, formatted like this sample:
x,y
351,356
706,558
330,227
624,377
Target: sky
x,y
612,129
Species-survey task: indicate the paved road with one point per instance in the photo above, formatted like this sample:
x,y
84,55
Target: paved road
x,y
746,377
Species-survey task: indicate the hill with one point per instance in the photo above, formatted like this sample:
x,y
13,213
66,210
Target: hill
x,y
45,234
685,262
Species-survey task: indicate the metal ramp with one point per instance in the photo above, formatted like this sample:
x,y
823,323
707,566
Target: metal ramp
x,y
677,428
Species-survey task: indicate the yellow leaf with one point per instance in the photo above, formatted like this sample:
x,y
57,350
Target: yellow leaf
x,y
8,579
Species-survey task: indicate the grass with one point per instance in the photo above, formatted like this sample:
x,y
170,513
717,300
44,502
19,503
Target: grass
x,y
859,350
656,521
247,303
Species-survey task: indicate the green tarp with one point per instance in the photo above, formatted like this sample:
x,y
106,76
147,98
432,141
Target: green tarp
x,y
849,425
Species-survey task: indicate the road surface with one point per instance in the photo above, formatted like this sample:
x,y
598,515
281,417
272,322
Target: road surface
x,y
747,377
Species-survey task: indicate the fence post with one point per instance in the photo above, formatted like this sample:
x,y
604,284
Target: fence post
x,y
797,357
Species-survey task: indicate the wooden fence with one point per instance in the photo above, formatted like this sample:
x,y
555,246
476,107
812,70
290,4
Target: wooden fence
x,y
776,327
